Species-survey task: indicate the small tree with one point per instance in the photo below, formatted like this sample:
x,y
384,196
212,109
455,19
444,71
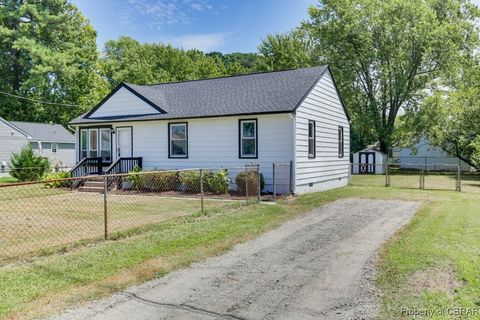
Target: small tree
x,y
27,166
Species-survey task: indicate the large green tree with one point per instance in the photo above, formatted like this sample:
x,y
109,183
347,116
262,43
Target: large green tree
x,y
386,54
291,50
450,117
128,60
47,52
238,62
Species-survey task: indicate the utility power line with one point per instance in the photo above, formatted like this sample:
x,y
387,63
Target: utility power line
x,y
38,101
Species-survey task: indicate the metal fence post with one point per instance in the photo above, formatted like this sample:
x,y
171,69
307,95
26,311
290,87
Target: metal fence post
x,y
290,179
387,175
105,211
201,189
259,184
422,179
274,183
459,179
246,185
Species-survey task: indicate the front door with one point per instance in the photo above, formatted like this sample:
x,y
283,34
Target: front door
x,y
367,162
124,142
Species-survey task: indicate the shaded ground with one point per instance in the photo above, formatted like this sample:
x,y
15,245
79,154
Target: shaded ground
x,y
321,265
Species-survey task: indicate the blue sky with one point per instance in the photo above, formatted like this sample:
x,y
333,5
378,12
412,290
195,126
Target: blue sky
x,y
208,25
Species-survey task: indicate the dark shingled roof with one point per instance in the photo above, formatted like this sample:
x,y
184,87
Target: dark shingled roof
x,y
45,132
269,92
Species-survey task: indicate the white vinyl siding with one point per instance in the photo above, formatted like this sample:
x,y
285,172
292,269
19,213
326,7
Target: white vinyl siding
x,y
10,141
326,170
64,157
214,143
123,103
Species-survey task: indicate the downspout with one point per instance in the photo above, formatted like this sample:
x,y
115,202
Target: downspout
x,y
294,160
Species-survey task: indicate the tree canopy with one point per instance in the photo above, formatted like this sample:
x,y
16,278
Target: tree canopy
x,y
287,51
385,54
47,52
128,60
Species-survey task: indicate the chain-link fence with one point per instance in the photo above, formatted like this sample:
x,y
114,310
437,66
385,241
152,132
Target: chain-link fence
x,y
282,179
415,176
41,217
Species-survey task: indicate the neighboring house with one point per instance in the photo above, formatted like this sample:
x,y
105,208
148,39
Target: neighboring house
x,y
49,140
369,161
425,155
287,116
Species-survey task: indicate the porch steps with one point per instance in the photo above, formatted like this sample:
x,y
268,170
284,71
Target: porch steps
x,y
92,186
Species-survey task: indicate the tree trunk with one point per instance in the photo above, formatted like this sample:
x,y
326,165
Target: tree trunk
x,y
16,70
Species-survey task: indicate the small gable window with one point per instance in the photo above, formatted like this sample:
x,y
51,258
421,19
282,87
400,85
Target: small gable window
x,y
248,138
178,140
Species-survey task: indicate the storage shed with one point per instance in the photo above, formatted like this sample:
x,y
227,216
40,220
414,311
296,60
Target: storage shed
x,y
369,161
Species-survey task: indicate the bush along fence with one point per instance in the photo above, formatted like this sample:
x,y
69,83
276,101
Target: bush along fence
x,y
53,215
415,176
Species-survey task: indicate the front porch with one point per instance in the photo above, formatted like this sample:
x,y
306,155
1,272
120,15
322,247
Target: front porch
x,y
96,166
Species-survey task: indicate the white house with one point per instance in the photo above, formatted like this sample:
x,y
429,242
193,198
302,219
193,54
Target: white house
x,y
49,140
369,161
424,155
287,116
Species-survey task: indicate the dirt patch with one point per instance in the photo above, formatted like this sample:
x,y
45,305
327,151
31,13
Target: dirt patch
x,y
443,279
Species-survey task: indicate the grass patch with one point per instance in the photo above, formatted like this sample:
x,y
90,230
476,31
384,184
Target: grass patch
x,y
444,233
8,180
35,220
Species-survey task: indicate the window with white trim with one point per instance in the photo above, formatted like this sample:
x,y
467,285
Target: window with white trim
x,y
248,138
341,143
178,136
54,147
311,139
83,143
93,143
106,145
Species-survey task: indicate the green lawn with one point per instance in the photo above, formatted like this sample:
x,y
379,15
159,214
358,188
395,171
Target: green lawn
x,y
443,236
7,180
37,220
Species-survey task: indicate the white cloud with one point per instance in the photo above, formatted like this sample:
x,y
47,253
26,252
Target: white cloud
x,y
204,42
157,13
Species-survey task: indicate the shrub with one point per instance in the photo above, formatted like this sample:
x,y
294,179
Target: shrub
x,y
190,180
216,182
249,177
161,181
56,176
27,166
136,179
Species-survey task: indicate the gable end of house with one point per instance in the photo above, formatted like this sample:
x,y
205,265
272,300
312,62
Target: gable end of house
x,y
136,104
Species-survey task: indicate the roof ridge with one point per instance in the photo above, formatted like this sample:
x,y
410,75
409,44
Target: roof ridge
x,y
223,77
46,123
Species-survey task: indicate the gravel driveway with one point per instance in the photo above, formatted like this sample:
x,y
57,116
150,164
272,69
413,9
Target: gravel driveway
x,y
318,266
